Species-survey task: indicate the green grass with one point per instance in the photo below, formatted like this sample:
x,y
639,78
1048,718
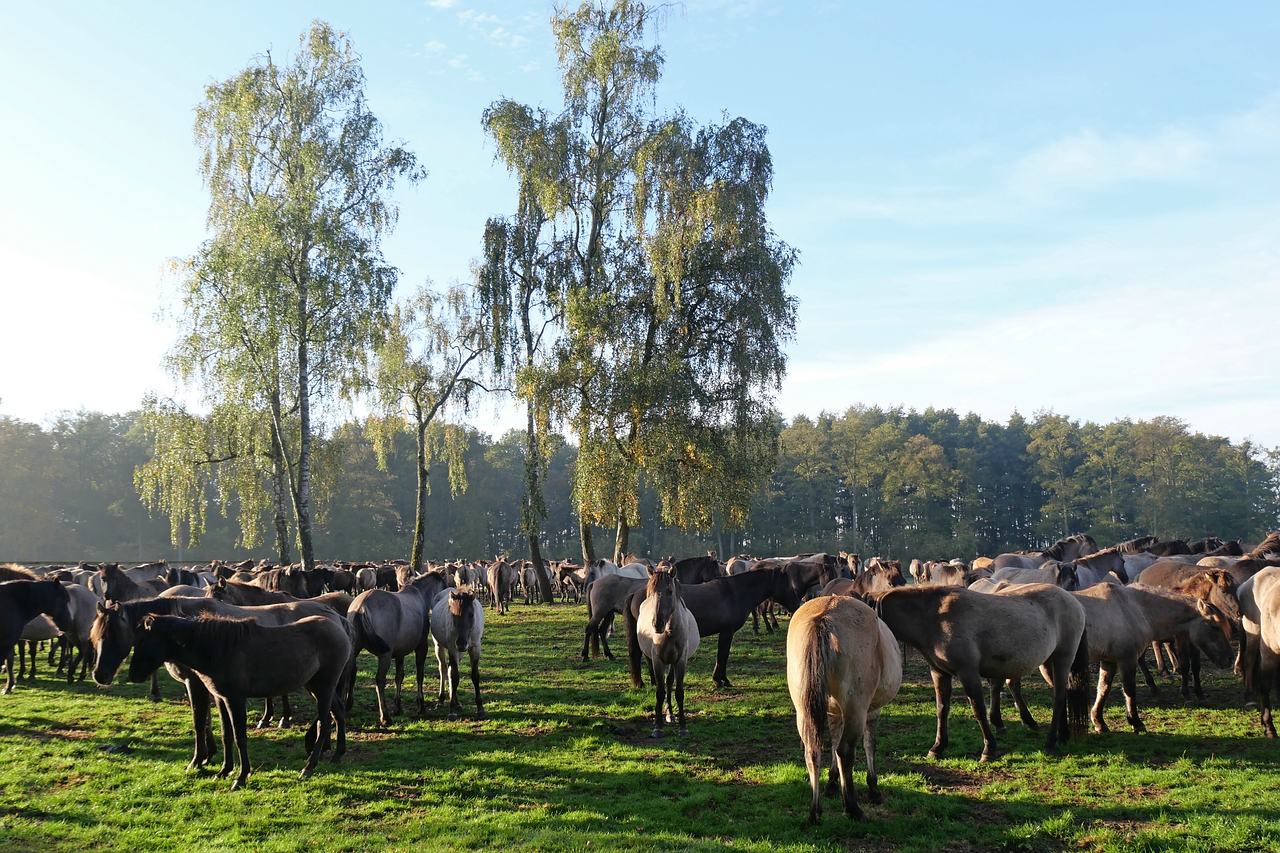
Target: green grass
x,y
564,763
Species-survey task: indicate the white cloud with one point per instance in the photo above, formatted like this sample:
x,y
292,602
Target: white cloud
x,y
434,46
442,4
1088,160
474,18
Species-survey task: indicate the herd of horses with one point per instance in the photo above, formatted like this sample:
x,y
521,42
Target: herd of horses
x,y
230,633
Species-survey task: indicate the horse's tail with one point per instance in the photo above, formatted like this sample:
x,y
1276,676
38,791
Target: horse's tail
x,y
633,643
366,636
811,710
1077,687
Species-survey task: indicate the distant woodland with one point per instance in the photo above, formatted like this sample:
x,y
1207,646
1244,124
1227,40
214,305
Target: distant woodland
x,y
878,481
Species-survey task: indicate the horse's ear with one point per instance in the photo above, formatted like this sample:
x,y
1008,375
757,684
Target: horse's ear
x,y
222,583
102,608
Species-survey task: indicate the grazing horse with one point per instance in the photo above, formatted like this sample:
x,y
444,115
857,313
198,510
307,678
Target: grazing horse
x,y
239,658
722,606
667,635
457,626
973,636
843,666
20,602
605,599
391,625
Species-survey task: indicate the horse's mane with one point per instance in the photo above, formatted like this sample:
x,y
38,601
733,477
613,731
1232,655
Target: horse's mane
x,y
11,572
1136,546
1114,549
216,635
1267,546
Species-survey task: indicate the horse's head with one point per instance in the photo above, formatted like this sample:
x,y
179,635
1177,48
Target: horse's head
x,y
462,613
667,589
1068,577
112,638
1217,587
148,648
171,576
892,575
1212,634
1121,572
217,591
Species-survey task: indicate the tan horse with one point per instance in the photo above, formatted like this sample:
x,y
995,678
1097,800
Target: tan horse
x,y
1120,622
668,635
1260,610
971,636
843,665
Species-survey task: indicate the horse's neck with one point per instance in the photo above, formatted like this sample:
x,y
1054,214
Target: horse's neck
x,y
896,612
1168,615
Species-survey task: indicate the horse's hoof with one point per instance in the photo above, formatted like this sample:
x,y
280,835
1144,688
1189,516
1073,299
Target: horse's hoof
x,y
934,754
481,715
262,724
223,773
239,783
684,732
875,797
284,724
988,757
155,697
857,814
1001,730
453,716
658,734
1035,727
1248,706
306,772
1139,728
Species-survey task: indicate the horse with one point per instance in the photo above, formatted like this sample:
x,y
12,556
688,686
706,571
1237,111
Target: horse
x,y
878,577
606,598
973,636
722,606
78,646
391,625
946,574
693,570
1052,572
574,580
1096,568
501,578
1260,609
843,665
1136,546
120,586
239,658
112,636
1122,621
807,575
457,626
20,602
667,635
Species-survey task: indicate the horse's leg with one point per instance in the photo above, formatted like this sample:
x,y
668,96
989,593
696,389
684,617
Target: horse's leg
x,y
268,712
835,724
604,636
419,662
1129,682
1146,671
1156,652
942,696
684,726
239,709
973,689
443,661
1246,659
155,686
455,707
286,713
380,686
22,661
1015,688
1265,676
198,697
228,740
755,628
8,688
845,755
720,675
1106,672
659,686
324,699
475,682
997,722
812,738
399,682
773,613
869,747
586,642
340,714
1194,653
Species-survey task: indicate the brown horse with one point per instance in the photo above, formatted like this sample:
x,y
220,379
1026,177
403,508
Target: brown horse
x,y
971,636
843,666
605,599
879,577
238,658
667,634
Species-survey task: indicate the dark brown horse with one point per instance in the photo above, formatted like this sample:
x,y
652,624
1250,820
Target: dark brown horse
x,y
722,606
118,586
20,602
238,658
693,570
879,577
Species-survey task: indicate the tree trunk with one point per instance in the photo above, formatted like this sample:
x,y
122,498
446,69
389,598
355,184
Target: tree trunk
x,y
302,494
544,579
623,538
279,519
532,490
420,516
588,545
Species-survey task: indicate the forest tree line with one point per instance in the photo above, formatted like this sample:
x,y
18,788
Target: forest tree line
x,y
879,481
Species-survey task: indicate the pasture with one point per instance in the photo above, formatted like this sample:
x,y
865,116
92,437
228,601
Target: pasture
x,y
564,762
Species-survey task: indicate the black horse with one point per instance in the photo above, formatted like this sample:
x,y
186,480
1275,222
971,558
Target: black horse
x,y
722,606
20,602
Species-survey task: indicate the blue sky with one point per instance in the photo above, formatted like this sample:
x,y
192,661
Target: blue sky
x,y
996,207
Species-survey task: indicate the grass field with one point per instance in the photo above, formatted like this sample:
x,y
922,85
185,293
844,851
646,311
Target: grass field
x,y
565,763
